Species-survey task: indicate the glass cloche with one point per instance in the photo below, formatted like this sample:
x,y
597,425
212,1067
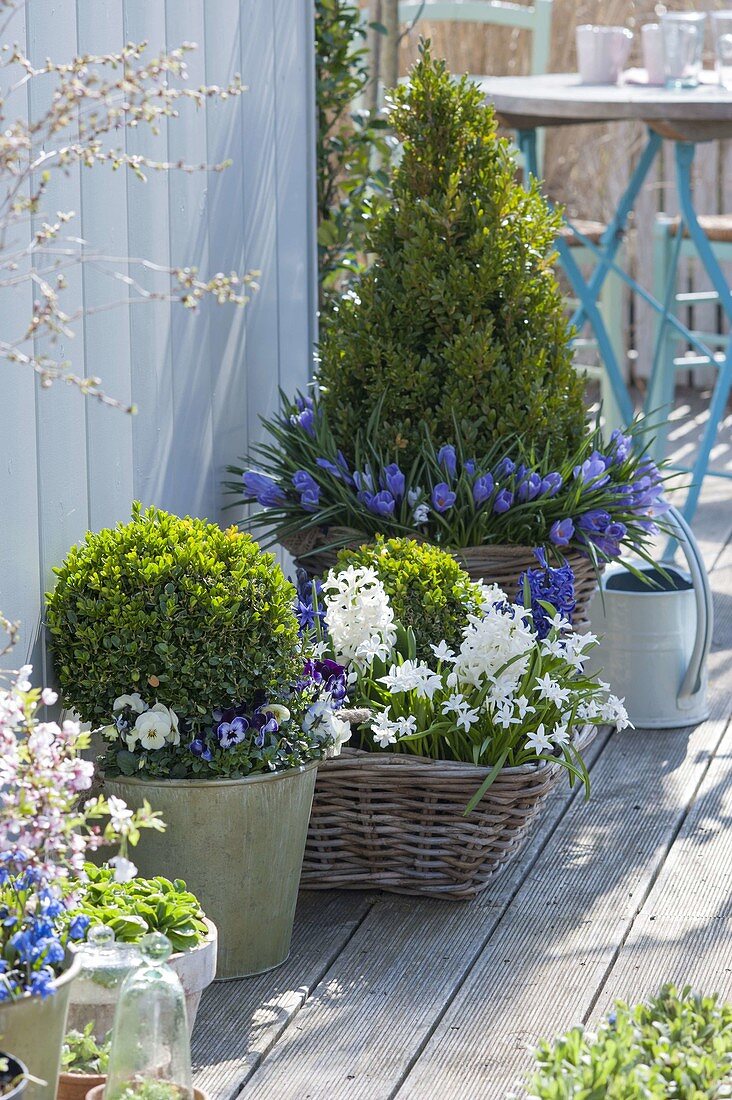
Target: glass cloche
x,y
104,966
150,1057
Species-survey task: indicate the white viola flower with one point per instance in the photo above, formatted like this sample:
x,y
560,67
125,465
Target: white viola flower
x,y
120,814
551,691
277,711
454,704
523,707
131,740
442,651
109,733
153,728
340,731
124,869
466,719
538,740
384,730
315,714
134,701
173,735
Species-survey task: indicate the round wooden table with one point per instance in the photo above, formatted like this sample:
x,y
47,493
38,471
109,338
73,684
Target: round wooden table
x,y
687,117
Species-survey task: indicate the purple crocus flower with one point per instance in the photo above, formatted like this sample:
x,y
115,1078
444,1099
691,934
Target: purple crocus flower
x,y
381,504
504,469
310,499
594,520
592,470
264,489
615,531
329,467
393,480
447,458
442,497
482,489
562,532
620,446
469,466
303,481
529,488
363,480
551,485
304,419
503,501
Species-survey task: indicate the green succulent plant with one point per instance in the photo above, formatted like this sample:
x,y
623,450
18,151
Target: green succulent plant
x,y
176,608
132,909
679,1044
427,589
460,320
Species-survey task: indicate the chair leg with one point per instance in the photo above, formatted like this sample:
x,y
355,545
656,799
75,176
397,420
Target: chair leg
x,y
660,397
611,306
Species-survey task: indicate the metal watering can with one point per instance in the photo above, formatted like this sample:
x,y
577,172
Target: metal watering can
x,y
656,638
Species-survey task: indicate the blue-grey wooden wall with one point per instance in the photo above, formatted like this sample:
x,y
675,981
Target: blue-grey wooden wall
x,y
200,382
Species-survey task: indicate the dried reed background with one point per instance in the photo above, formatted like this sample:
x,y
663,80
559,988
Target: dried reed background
x,y
587,167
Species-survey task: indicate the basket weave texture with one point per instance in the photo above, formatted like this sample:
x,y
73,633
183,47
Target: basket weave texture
x,y
396,822
492,563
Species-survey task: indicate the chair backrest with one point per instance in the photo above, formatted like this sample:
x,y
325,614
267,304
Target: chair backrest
x,y
535,17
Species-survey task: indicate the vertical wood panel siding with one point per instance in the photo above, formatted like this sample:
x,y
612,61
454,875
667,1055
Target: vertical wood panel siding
x,y
200,382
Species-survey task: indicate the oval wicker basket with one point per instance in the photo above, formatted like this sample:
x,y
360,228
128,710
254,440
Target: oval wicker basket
x,y
493,563
395,822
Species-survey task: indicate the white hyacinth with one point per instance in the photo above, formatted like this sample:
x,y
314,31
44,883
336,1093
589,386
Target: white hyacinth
x,y
359,616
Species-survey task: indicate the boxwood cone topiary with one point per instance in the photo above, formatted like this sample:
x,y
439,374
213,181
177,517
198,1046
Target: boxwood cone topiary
x,y
460,317
177,609
427,589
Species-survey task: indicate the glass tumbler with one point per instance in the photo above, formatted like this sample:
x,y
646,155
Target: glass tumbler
x,y
683,40
722,27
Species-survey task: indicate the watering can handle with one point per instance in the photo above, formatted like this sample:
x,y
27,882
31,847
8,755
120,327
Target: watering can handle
x,y
692,682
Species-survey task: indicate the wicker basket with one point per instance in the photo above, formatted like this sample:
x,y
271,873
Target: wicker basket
x,y
492,563
396,822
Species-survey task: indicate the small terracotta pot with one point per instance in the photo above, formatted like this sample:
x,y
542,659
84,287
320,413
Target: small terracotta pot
x,y
75,1086
97,1093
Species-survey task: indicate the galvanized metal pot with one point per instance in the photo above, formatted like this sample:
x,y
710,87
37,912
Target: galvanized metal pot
x,y
656,637
32,1030
239,845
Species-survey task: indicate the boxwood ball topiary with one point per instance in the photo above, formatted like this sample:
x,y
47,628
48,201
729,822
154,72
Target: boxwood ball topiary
x,y
460,318
427,589
177,609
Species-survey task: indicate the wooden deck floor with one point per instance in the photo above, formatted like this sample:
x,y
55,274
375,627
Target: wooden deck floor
x,y
387,997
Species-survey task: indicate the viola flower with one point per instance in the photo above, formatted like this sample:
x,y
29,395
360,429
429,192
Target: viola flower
x,y
503,501
443,497
199,748
232,733
393,480
447,458
562,532
264,489
482,489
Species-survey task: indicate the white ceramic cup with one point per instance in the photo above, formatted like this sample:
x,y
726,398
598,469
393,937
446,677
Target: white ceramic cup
x,y
652,42
602,53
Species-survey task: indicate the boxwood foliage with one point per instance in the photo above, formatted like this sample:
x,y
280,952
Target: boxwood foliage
x,y
677,1045
178,609
427,589
460,317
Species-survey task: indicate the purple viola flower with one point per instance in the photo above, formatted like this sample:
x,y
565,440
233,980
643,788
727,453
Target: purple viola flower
x,y
551,485
302,481
592,470
264,489
529,488
443,497
562,532
504,469
447,458
594,520
482,489
393,480
469,466
503,501
200,748
381,504
232,733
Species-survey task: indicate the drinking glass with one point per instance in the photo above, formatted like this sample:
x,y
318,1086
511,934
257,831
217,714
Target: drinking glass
x,y
722,26
683,39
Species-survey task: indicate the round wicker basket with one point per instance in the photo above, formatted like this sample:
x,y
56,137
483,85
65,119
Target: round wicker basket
x,y
395,822
492,563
